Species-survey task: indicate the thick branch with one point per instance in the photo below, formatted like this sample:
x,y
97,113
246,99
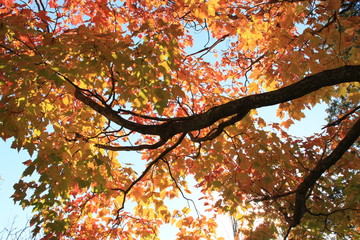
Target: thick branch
x,y
240,106
321,167
273,197
219,129
113,116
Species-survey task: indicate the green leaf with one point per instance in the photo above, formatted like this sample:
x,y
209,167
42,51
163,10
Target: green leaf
x,y
98,161
83,183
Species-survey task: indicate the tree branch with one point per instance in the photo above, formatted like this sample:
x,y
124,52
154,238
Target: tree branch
x,y
208,49
219,129
243,105
338,121
147,169
321,167
178,187
273,197
133,148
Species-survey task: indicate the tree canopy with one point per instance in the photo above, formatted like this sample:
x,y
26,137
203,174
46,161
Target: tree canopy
x,y
83,82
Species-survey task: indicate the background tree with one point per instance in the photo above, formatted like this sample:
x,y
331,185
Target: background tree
x,y
11,232
82,81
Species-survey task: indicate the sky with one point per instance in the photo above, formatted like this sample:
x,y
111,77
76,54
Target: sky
x,y
12,168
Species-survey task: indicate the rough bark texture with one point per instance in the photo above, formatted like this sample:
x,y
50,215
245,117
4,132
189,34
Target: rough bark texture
x,y
239,107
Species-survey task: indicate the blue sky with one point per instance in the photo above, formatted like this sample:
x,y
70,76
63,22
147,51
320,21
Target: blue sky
x,y
10,171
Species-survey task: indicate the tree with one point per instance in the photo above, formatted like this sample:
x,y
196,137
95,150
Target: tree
x,y
11,232
84,81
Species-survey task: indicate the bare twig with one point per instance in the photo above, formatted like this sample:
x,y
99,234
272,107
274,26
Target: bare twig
x,y
338,121
208,49
147,169
178,187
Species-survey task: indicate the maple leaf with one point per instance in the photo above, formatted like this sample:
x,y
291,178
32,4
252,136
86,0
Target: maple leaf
x,y
84,81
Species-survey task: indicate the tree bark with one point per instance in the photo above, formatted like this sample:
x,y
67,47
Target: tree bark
x,y
238,107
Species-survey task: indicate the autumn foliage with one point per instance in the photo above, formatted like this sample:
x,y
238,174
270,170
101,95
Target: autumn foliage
x,y
179,83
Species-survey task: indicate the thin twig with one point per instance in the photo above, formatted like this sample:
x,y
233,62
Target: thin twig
x,y
147,169
338,121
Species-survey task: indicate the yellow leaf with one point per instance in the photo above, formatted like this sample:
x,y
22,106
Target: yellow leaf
x,y
212,5
200,13
355,97
253,87
37,132
342,91
142,94
66,100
